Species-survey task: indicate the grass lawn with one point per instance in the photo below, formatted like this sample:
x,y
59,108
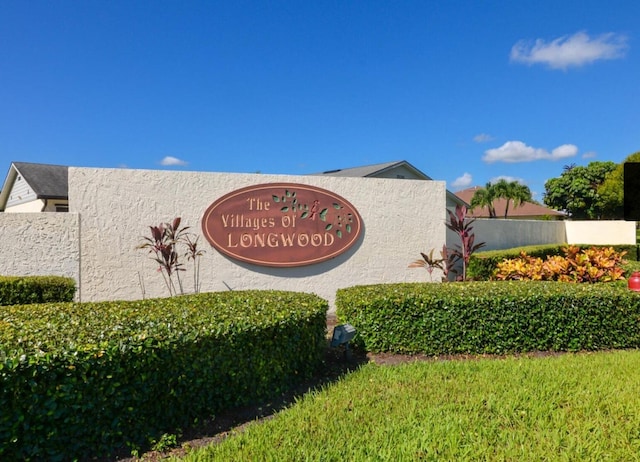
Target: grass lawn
x,y
567,407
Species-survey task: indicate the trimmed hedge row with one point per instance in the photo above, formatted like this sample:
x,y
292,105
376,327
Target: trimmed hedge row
x,y
24,290
491,317
79,380
482,264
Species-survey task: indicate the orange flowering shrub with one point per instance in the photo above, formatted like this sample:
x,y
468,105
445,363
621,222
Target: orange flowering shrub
x,y
589,265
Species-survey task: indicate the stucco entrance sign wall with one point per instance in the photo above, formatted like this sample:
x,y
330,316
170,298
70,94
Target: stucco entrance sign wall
x,y
281,224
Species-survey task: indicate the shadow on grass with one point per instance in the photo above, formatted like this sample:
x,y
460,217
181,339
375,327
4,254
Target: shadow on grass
x,y
335,366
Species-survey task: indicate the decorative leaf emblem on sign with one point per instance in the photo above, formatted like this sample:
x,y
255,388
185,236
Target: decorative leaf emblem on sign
x,y
312,213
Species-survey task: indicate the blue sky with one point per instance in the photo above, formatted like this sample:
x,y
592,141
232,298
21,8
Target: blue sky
x,y
466,91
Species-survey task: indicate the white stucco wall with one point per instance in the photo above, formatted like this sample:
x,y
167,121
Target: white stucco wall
x,y
601,232
505,234
36,244
111,209
116,207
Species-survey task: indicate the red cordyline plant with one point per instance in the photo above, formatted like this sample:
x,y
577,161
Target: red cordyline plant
x,y
192,254
429,263
461,225
449,262
163,245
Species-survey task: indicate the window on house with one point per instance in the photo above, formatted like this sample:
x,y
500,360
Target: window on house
x,y
62,208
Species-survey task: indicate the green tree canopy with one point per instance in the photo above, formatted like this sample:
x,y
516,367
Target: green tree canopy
x,y
484,197
576,190
511,191
611,191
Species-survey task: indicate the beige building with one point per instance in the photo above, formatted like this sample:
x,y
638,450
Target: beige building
x,y
397,170
30,187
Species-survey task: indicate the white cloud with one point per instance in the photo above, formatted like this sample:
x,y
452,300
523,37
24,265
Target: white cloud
x,y
169,160
564,151
482,138
589,155
462,181
567,51
517,151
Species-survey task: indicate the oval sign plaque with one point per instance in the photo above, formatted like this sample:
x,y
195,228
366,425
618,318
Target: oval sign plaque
x,y
281,224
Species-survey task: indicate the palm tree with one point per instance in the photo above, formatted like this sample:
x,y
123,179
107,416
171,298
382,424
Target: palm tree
x,y
484,197
511,191
520,194
502,189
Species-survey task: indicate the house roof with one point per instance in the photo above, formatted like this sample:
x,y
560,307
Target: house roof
x,y
527,209
375,170
47,181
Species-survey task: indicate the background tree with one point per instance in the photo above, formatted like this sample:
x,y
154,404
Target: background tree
x,y
576,190
511,191
612,190
484,197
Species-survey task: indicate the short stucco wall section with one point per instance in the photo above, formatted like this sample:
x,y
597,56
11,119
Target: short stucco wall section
x,y
401,218
505,234
40,244
601,232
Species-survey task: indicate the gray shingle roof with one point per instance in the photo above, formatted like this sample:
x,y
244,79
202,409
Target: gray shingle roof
x,y
379,169
47,181
364,171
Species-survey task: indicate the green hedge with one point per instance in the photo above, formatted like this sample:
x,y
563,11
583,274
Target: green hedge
x,y
78,380
23,290
492,317
482,264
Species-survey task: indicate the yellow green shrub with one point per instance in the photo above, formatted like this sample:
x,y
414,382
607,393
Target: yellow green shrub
x,y
594,264
25,290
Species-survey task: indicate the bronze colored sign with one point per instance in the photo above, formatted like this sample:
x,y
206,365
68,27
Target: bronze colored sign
x,y
281,224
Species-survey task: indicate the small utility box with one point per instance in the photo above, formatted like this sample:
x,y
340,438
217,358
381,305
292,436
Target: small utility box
x,y
342,334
